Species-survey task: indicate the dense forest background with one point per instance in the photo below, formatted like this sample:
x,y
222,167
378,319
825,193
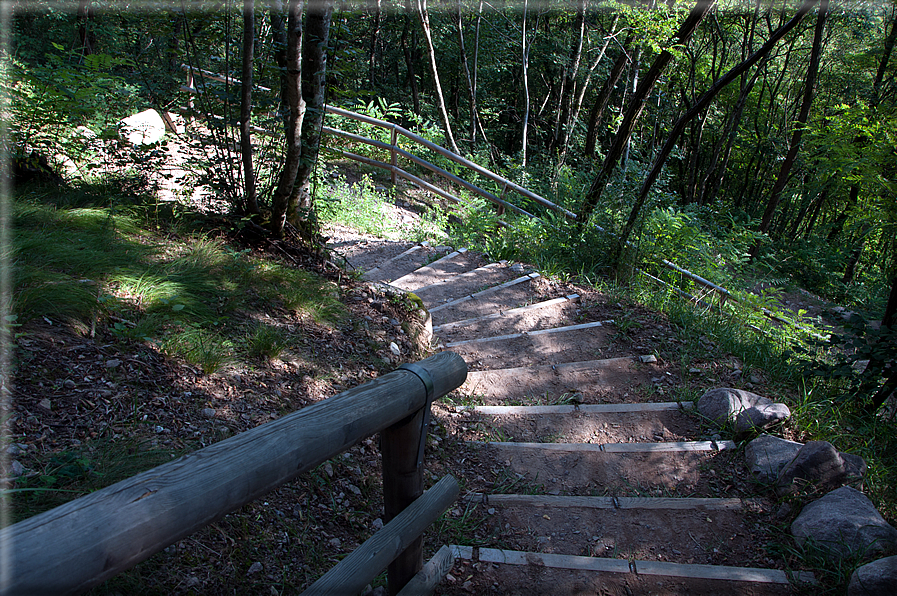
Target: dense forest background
x,y
744,140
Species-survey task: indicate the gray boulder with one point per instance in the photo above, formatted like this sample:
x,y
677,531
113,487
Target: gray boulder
x,y
767,455
819,465
747,410
878,578
843,523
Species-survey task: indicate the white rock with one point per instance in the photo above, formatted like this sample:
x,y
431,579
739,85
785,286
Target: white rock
x,y
395,348
144,128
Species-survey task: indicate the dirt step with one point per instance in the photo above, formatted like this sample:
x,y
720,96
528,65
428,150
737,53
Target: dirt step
x,y
674,468
458,261
612,380
404,262
557,312
513,573
464,284
519,291
585,424
685,533
573,343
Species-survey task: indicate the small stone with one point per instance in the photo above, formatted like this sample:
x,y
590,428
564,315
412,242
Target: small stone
x,y
517,268
648,358
255,568
192,582
208,412
767,455
335,543
395,322
377,524
113,363
755,378
354,489
819,465
46,404
16,469
491,511
395,349
694,371
328,469
68,384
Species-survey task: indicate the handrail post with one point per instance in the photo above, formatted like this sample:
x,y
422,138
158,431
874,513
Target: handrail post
x,y
395,157
500,209
403,482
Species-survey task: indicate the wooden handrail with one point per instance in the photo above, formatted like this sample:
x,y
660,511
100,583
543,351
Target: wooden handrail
x,y
76,546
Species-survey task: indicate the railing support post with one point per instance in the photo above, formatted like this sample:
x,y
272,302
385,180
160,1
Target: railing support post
x,y
403,482
394,160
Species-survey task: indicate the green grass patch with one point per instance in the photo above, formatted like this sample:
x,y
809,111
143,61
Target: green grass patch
x,y
191,295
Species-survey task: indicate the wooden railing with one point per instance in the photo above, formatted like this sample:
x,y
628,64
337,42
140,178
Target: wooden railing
x,y
77,546
723,295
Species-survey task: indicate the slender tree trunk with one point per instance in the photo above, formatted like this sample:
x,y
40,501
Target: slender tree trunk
x,y
470,84
318,14
409,64
279,41
788,163
291,86
568,83
425,24
637,105
249,199
604,96
636,64
524,51
86,35
702,104
375,44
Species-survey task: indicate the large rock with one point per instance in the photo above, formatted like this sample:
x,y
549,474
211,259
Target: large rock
x,y
144,128
820,466
767,455
844,523
878,578
747,410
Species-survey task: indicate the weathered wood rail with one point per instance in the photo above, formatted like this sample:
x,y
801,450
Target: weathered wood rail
x,y
76,546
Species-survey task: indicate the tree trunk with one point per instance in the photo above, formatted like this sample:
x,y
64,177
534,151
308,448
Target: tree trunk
x,y
637,104
250,202
524,56
291,85
425,23
568,84
470,84
375,44
603,97
700,105
409,64
809,87
314,72
86,35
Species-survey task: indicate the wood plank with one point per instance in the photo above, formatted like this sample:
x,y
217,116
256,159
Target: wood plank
x,y
426,269
411,250
353,573
507,284
526,334
76,546
563,502
655,568
582,408
670,447
426,580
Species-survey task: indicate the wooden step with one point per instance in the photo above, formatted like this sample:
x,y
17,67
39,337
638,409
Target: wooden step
x,y
616,468
510,294
605,423
403,263
459,261
464,284
572,343
557,312
590,381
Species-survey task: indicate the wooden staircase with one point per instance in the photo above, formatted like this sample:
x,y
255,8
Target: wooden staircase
x,y
621,492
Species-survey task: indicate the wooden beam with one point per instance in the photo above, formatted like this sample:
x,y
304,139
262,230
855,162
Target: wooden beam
x,y
76,546
429,577
353,573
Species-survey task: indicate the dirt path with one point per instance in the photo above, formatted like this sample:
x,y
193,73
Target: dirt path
x,y
586,470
